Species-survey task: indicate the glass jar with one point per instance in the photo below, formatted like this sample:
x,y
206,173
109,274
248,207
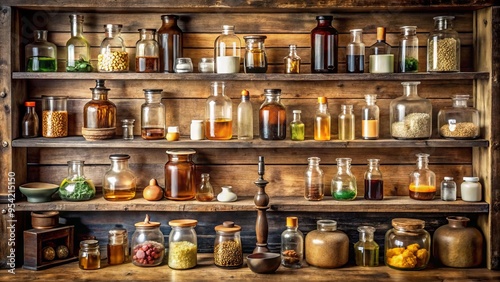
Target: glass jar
x,y
218,113
228,252
183,65
327,247
41,55
411,115
407,244
76,186
459,121
370,117
54,116
205,191
197,129
245,116
227,51
314,181
322,121
443,46
297,128
113,56
147,54
346,122
374,184
77,47
272,116
206,65
344,182
470,189
182,244
147,243
128,128
153,115
422,180
324,46
255,54
292,244
355,52
366,250
292,61
89,256
99,114
408,49
173,133
448,189
117,249
381,59
180,181
119,183
30,121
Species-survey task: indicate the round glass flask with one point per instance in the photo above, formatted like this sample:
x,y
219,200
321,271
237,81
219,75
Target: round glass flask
x,y
76,186
344,182
119,183
41,55
180,181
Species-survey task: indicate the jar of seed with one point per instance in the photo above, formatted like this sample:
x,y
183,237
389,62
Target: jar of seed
x,y
54,116
228,252
183,246
443,46
113,56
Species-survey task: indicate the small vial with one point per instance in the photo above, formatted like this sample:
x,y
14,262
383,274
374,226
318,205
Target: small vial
x,y
173,133
292,61
297,129
128,129
197,130
448,189
346,123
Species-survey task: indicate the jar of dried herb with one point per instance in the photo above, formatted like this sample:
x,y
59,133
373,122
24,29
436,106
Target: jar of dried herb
x,y
228,252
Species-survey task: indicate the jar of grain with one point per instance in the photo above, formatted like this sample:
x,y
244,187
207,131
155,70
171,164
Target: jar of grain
x,y
459,121
327,247
147,244
443,46
228,252
54,116
182,244
113,56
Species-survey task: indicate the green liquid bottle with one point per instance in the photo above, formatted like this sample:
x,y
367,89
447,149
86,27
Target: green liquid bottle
x,y
366,250
297,128
343,185
41,55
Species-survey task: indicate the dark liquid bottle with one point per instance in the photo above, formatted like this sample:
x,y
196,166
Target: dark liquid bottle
x,y
272,116
355,63
374,185
324,46
170,40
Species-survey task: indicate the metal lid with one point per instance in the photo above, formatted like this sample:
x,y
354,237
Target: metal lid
x,y
448,178
228,226
119,157
89,244
181,152
254,37
329,18
471,178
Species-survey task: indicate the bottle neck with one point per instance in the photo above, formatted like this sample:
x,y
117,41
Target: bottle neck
x,y
112,32
218,89
76,27
292,51
245,98
169,21
346,110
292,228
373,165
365,236
40,35
75,169
296,117
323,108
324,23
30,110
344,166
148,35
410,89
272,98
422,163
460,103
356,36
117,165
100,95
443,23
152,98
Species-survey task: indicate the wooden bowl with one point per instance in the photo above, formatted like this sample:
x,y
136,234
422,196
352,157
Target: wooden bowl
x,y
93,134
44,219
264,262
38,192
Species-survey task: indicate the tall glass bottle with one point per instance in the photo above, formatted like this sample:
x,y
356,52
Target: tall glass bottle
x,y
297,128
218,114
78,48
422,180
205,191
227,51
408,49
370,115
41,55
255,54
170,41
113,56
292,61
99,112
30,121
314,181
366,249
272,116
346,123
443,46
374,184
355,52
322,121
381,59
245,116
152,115
147,54
292,244
76,186
344,182
324,46
119,183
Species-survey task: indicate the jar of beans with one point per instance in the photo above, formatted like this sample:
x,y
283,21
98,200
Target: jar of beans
x,y
113,56
443,46
147,244
54,116
459,121
182,244
228,252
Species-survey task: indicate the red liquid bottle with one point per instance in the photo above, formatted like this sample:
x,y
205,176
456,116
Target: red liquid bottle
x,y
374,185
324,46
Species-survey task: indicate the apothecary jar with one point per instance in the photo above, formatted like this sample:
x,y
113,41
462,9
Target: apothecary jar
x,y
459,121
182,244
180,175
147,244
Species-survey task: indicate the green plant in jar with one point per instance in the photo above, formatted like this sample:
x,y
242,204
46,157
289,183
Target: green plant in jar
x,y
76,187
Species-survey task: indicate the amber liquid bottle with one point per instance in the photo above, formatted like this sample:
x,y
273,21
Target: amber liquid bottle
x,y
180,175
218,114
322,123
272,116
324,46
170,41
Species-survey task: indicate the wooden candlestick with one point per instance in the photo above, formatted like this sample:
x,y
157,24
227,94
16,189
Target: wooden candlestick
x,y
261,201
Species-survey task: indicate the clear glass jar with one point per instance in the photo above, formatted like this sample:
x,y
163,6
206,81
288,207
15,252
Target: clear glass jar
x,y
182,244
89,256
327,247
322,121
470,189
77,47
228,252
147,244
180,182
370,118
41,55
255,54
292,61
272,116
119,182
30,122
459,121
76,186
314,181
297,128
117,249
147,54
99,114
344,182
153,115
54,116
227,51
245,116
422,180
366,250
448,189
113,56
183,65
411,115
205,191
381,59
408,49
443,46
292,244
407,244
206,65
128,128
346,122
170,41
355,52
218,113
374,184
324,46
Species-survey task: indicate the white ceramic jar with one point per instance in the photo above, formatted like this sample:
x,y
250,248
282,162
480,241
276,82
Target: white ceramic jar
x,y
227,194
471,189
197,130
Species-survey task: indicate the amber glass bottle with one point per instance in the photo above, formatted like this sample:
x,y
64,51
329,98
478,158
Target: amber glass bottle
x,y
322,123
99,113
272,116
218,114
180,175
170,40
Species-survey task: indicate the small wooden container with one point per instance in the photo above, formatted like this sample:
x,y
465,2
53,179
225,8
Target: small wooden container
x,y
45,219
94,134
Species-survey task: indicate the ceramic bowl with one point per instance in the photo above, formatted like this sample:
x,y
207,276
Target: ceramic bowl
x,y
44,219
38,192
264,262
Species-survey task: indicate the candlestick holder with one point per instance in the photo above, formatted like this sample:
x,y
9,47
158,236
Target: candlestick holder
x,y
261,201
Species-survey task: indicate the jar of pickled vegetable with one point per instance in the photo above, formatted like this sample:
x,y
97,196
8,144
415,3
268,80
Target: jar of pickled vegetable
x,y
182,244
147,244
76,187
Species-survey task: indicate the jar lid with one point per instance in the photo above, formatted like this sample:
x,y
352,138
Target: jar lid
x,y
183,222
329,18
322,100
173,129
297,111
29,104
471,178
254,37
119,157
181,152
272,92
89,244
197,121
448,178
227,226
147,224
117,232
292,221
408,223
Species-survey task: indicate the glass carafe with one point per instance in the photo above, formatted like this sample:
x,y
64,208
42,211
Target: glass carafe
x,y
147,54
99,113
355,52
113,56
41,55
443,46
153,115
344,182
272,116
292,244
366,249
180,181
381,59
205,191
255,54
370,116
218,114
322,121
297,127
459,121
170,41
227,51
422,180
292,61
314,181
408,49
324,46
76,187
77,47
346,123
374,184
119,183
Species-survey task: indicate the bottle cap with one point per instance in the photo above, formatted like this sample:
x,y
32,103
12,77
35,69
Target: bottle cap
x,y
471,178
448,178
29,104
322,100
296,111
381,33
245,93
292,221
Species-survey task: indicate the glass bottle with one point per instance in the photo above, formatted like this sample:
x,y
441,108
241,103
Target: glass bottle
x,y
147,244
327,247
314,181
77,47
170,41
228,251
292,61
245,116
41,55
218,114
182,244
99,113
370,116
408,49
344,182
366,250
89,256
117,249
128,128
147,52
227,51
113,56
54,116
470,189
205,192
381,59
76,186
448,189
272,116
443,46
292,244
322,121
255,54
297,128
180,183
30,121
119,182
355,52
422,180
346,122
459,121
374,184
411,115
153,115
324,46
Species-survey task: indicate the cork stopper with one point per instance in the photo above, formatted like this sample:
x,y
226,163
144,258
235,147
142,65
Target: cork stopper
x,y
381,33
408,224
292,221
322,100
